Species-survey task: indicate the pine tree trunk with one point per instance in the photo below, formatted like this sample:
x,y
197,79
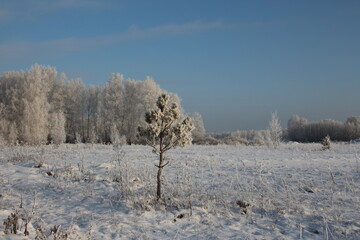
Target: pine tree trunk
x,y
158,193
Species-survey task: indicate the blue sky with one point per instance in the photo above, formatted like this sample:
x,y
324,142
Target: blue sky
x,y
234,62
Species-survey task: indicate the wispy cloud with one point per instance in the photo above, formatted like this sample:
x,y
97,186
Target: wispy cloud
x,y
59,4
65,46
28,9
177,28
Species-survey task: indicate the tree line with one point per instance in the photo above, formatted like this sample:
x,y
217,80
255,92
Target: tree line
x,y
39,106
301,130
298,130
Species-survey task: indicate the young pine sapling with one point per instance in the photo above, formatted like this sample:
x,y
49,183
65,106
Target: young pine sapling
x,y
326,143
164,131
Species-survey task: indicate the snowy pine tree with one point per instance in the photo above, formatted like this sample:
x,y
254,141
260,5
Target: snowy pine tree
x,y
326,143
164,131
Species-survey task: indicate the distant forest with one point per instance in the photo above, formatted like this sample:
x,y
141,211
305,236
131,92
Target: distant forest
x,y
301,130
39,106
298,130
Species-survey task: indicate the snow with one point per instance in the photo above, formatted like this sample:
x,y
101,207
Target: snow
x,y
211,192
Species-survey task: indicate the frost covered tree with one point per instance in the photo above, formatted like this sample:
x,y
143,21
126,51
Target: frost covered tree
x,y
24,95
149,92
199,129
131,102
92,113
296,128
111,109
57,121
57,128
74,109
275,130
56,95
165,131
114,135
123,105
353,127
36,87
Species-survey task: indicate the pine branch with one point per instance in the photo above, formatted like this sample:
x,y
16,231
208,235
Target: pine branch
x,y
170,145
162,165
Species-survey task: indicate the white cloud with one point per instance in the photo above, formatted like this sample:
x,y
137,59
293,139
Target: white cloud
x,y
65,46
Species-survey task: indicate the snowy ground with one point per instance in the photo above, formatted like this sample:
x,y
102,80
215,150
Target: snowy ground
x,y
211,192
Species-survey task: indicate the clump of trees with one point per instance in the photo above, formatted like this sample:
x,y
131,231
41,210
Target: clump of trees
x,y
40,105
301,130
248,137
270,137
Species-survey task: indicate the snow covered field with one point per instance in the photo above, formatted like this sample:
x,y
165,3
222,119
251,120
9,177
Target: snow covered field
x,y
211,192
